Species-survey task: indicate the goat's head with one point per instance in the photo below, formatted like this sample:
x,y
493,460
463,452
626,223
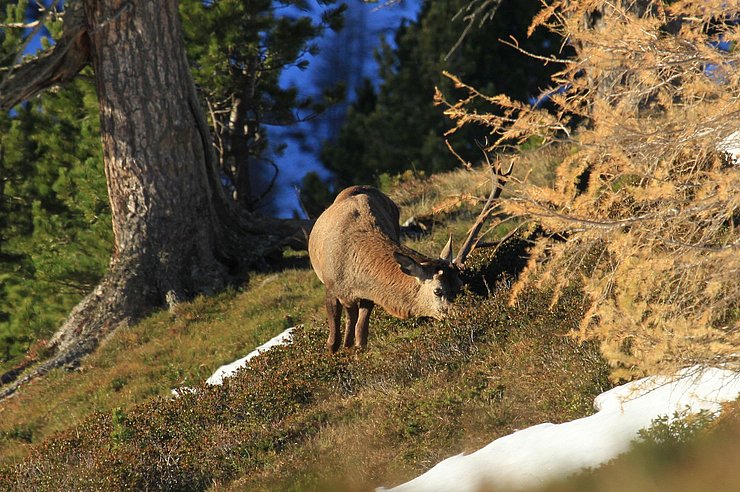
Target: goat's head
x,y
439,281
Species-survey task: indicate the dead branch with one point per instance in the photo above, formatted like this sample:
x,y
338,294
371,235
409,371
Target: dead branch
x,y
499,177
57,65
483,12
547,59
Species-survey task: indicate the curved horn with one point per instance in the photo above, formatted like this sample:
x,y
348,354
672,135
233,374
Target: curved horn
x,y
446,253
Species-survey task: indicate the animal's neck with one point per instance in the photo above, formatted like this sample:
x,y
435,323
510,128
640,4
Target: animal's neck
x,y
387,285
405,303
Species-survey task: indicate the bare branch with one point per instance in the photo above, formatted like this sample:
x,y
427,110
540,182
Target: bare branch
x,y
547,59
271,184
462,161
499,177
483,12
59,64
36,28
20,25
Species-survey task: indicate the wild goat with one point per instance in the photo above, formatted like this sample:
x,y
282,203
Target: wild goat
x,y
355,251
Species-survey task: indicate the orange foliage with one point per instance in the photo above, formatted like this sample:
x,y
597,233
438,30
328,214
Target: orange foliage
x,y
648,199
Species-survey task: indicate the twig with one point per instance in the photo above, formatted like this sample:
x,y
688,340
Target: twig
x,y
272,182
465,163
20,25
493,6
546,59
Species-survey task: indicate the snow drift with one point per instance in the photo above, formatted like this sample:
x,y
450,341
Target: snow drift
x,y
536,455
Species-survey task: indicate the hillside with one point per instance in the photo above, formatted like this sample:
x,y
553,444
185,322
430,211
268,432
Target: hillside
x,y
612,260
298,418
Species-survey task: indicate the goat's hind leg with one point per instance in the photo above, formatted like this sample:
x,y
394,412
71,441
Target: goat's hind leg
x,y
349,324
334,313
363,322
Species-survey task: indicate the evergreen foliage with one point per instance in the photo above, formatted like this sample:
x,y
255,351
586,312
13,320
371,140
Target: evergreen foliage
x,y
55,237
55,223
399,128
238,51
666,437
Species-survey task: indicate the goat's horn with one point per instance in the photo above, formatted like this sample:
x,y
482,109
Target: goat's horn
x,y
446,253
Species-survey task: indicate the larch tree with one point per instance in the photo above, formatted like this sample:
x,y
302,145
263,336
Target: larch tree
x,y
176,234
643,209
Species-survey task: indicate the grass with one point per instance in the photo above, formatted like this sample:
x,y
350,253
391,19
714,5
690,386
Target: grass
x,y
299,418
163,352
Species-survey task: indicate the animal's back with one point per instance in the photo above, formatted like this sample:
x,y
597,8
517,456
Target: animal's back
x,y
347,237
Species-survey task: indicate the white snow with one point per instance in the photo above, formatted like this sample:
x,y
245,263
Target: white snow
x,y
730,145
538,454
228,370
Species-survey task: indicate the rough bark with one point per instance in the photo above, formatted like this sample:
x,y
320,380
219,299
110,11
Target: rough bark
x,y
175,232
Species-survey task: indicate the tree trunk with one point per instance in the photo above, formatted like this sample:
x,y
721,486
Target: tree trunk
x,y
175,233
164,221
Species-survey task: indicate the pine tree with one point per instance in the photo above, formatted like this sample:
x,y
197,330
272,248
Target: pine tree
x,y
55,222
400,128
55,238
238,51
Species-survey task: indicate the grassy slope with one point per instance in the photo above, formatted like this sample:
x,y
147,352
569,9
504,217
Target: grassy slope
x,y
161,353
301,419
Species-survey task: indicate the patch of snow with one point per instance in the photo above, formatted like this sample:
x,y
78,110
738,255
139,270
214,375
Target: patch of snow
x,y
730,145
538,454
228,370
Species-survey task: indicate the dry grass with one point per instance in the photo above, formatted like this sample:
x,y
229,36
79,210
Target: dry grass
x,y
450,202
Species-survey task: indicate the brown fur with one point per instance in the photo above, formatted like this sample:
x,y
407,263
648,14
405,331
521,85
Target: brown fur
x,y
353,248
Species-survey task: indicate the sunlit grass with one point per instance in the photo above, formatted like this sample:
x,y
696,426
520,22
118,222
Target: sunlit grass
x,y
165,351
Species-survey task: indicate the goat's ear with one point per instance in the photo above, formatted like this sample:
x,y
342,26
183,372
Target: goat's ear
x,y
409,266
446,253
